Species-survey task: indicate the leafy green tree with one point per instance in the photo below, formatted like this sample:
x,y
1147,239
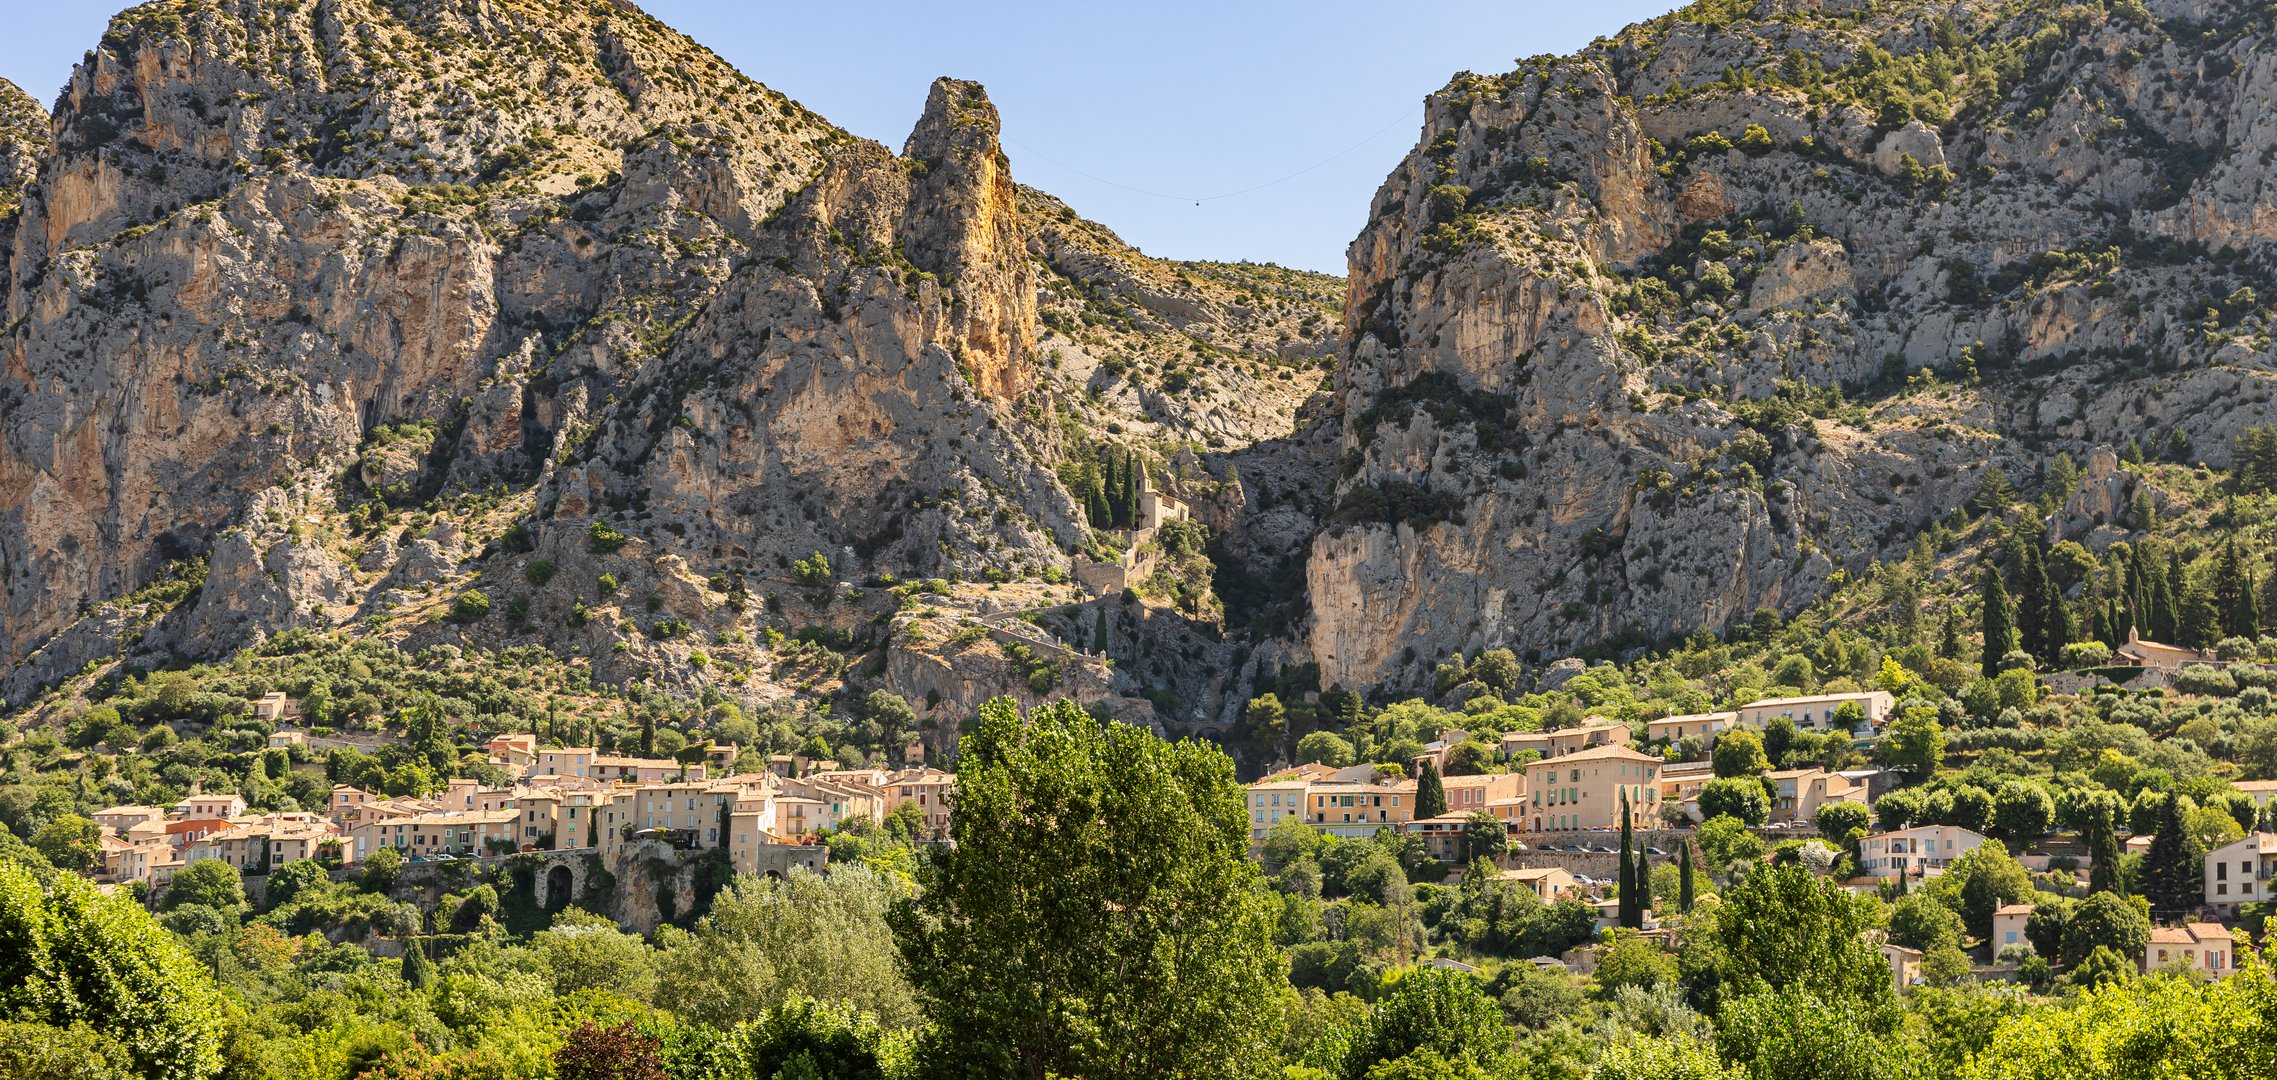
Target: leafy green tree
x,y
1097,914
1793,1033
1735,797
765,939
1633,961
210,882
1442,1011
69,954
1430,793
1739,753
1921,921
70,842
2023,811
1914,743
584,951
2106,921
1725,841
1781,926
1324,747
1264,724
1838,820
1986,878
802,1037
1684,880
302,880
2046,926
380,870
1485,836
1676,1057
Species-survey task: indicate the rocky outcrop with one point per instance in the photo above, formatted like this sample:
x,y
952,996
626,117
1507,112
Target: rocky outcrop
x,y
1634,335
367,305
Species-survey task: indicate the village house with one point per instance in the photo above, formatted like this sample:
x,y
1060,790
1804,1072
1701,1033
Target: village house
x,y
123,819
2241,872
200,805
1470,794
2201,947
1274,799
634,770
932,790
1585,789
2259,790
275,708
1680,784
515,752
1357,808
572,761
1551,883
1705,726
287,738
1800,792
265,843
2008,926
1921,850
460,834
463,793
1597,731
1816,712
1905,964
153,862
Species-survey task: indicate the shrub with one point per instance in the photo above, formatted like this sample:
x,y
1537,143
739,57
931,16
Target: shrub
x,y
539,571
470,606
600,539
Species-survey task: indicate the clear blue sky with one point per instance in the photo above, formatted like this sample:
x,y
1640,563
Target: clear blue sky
x,y
1177,97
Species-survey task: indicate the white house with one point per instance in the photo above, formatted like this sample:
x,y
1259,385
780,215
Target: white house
x,y
1921,850
1817,711
2240,873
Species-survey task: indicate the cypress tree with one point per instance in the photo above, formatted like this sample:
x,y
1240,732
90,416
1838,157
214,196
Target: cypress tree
x,y
1628,912
1999,622
2248,614
416,970
2031,613
2166,586
1133,480
1949,642
1684,876
1099,632
2103,856
1430,793
648,734
2174,867
2055,620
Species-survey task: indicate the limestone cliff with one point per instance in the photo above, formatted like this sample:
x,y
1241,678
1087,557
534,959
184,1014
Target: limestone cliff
x,y
341,311
1645,338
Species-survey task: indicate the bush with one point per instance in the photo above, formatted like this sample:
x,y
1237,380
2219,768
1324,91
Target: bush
x,y
470,606
539,571
600,539
812,570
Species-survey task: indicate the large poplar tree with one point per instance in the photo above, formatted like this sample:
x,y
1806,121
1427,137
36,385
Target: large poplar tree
x,y
1098,914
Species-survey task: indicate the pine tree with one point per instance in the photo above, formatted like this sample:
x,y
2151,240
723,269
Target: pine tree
x,y
1684,876
1999,622
2233,594
1430,793
2198,618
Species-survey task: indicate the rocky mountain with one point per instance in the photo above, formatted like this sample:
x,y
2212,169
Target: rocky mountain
x,y
321,316
1728,306
500,322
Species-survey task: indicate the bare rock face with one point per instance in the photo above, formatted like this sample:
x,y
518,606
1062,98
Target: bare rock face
x,y
963,227
358,306
1647,338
